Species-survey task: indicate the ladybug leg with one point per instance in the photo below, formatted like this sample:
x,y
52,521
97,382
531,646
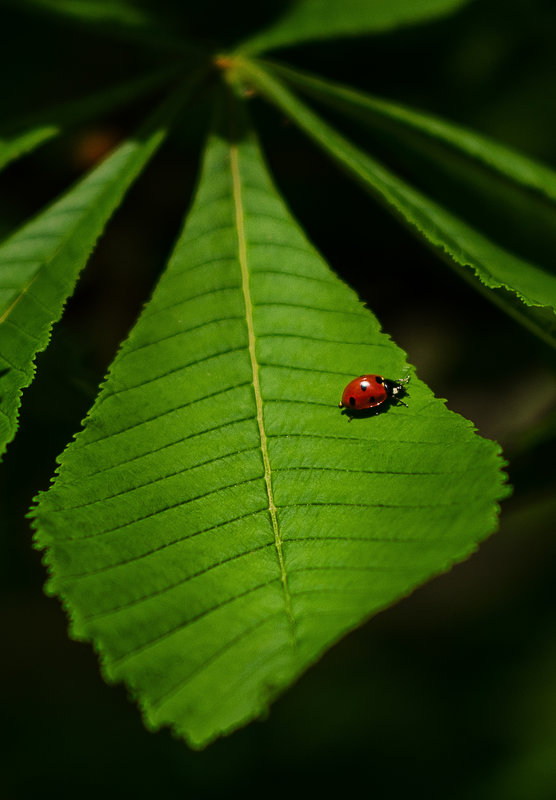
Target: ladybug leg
x,y
345,411
397,401
400,389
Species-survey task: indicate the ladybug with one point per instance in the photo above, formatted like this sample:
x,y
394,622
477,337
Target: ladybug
x,y
370,392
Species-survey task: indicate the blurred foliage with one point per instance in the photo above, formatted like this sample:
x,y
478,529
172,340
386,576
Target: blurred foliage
x,y
449,694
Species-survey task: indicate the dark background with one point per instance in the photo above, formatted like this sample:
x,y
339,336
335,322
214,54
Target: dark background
x,y
452,692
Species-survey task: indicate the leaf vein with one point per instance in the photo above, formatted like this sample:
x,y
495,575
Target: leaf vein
x,y
207,263
173,371
364,539
410,473
377,440
12,365
22,330
184,300
179,333
180,540
231,643
80,446
349,568
156,480
209,232
186,623
323,339
281,272
381,505
168,587
169,444
313,308
152,514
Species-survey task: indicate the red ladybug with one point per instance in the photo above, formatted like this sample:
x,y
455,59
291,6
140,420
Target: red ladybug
x,y
371,391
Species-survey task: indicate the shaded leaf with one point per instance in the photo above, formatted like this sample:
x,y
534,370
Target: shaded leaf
x,y
40,263
114,11
23,136
109,14
218,523
456,240
310,20
502,159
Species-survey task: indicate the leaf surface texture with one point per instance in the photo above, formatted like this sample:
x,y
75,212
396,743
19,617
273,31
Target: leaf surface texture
x,y
40,263
218,523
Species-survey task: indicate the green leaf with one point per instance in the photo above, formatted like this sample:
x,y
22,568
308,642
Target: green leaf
x,y
40,263
120,11
369,109
113,12
310,20
23,136
457,241
218,523
126,19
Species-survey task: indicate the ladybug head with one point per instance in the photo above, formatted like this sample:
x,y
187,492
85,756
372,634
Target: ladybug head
x,y
396,389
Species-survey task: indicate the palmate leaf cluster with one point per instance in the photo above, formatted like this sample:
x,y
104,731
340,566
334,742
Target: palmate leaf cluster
x,y
217,523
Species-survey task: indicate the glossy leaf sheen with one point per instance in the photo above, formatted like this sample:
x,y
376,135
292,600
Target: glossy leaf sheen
x,y
40,263
219,523
308,20
495,266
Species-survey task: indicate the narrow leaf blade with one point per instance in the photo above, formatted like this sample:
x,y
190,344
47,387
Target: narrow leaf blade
x,y
500,158
457,241
21,137
218,523
40,263
310,20
124,19
119,12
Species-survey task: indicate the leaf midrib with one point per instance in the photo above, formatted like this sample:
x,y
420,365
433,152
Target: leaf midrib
x,y
242,255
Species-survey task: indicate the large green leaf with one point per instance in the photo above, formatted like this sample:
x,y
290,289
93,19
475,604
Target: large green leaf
x,y
459,242
40,263
22,136
308,20
218,523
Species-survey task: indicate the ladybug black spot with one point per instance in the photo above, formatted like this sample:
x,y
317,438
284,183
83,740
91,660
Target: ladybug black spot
x,y
372,399
352,401
364,386
378,379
